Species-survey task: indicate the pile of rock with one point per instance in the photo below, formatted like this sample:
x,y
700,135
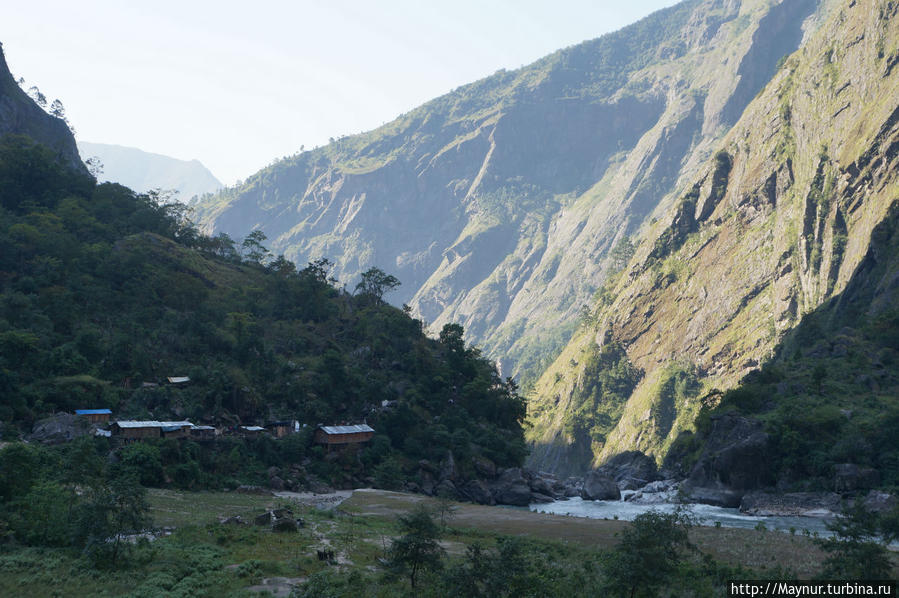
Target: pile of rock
x,y
279,520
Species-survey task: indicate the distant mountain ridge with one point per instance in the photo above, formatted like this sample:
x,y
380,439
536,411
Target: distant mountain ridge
x,y
143,171
497,205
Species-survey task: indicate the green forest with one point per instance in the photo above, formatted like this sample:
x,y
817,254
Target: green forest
x,y
103,289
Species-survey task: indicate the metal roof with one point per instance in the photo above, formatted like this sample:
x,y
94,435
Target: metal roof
x,y
203,428
92,411
152,424
253,428
346,429
178,379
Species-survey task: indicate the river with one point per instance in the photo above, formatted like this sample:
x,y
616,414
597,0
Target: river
x,y
706,514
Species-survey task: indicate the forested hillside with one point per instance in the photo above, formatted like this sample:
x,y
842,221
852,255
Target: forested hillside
x,y
498,204
102,289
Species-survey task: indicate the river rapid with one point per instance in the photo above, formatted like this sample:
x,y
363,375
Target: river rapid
x,y
705,514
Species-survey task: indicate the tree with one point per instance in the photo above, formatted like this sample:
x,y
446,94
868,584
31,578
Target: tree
x,y
57,109
621,254
252,247
112,509
417,549
376,283
94,166
648,553
35,94
858,548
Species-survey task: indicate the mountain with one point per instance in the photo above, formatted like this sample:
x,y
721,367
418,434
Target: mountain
x,y
768,291
498,204
143,171
20,115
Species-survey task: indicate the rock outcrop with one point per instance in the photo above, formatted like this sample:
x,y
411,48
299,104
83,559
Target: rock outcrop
x,y
598,486
19,115
733,461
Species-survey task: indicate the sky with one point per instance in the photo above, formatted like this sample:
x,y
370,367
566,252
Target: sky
x,y
237,85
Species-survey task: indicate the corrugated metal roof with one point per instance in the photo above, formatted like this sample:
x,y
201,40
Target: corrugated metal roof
x,y
152,424
204,428
347,429
92,411
178,379
253,428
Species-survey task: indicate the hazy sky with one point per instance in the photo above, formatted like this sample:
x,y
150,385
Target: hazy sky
x,y
237,84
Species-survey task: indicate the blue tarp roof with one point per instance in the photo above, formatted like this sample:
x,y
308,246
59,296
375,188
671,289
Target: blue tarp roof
x,y
92,411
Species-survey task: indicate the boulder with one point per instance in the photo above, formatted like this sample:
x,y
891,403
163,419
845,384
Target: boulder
x,y
880,502
540,485
600,487
263,519
630,470
733,461
517,493
59,428
282,513
476,491
791,504
446,489
653,493
276,483
274,471
511,475
484,467
539,497
848,477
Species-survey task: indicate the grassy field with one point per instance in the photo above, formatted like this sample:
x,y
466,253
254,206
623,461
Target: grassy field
x,y
206,558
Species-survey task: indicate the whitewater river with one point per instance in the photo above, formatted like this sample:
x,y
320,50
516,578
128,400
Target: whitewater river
x,y
707,514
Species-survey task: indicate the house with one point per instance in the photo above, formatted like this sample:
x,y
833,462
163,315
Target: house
x,y
250,430
178,379
95,416
280,429
175,429
331,436
133,431
202,432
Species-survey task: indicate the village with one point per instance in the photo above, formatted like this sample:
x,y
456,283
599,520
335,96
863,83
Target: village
x,y
128,431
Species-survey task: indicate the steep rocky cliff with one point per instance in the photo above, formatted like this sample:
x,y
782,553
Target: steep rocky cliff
x,y
19,115
774,225
497,204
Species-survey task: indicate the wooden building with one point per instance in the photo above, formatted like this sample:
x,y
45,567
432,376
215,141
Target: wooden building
x,y
175,429
337,436
95,416
132,431
280,429
202,432
250,431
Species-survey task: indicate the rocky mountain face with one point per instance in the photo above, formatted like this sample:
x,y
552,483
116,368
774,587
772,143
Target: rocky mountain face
x,y
19,115
144,171
497,205
789,218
